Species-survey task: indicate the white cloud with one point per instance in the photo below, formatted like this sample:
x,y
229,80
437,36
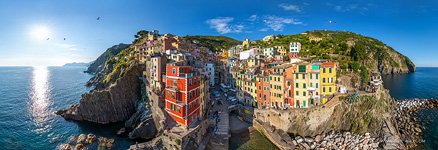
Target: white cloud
x,y
341,8
223,25
278,23
69,47
290,7
252,18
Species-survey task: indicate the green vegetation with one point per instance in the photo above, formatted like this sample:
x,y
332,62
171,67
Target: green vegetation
x,y
214,43
355,53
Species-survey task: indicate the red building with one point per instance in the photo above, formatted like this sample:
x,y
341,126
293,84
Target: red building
x,y
263,94
182,93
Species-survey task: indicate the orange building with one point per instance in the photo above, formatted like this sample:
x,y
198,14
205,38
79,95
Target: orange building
x,y
182,93
289,84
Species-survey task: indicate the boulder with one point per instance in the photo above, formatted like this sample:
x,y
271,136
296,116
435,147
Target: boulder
x,y
81,139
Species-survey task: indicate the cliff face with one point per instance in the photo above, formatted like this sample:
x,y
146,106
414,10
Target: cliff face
x,y
99,63
113,104
367,114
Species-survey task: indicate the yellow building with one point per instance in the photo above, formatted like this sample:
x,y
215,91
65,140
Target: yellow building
x,y
276,87
252,61
301,84
281,50
327,81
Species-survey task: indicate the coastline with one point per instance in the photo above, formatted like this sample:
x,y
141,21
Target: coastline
x,y
407,125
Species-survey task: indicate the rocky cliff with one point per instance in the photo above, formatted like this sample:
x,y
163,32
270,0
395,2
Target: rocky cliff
x,y
366,114
99,63
112,104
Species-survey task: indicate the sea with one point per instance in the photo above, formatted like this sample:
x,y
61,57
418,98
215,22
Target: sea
x,y
421,84
29,96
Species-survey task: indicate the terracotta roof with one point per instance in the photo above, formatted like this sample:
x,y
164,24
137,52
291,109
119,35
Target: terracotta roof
x,y
329,64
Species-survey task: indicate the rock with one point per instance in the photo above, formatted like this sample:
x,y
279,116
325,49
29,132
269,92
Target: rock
x,y
299,139
90,138
417,129
294,142
305,145
65,147
141,123
122,131
308,140
112,104
81,139
109,143
375,145
318,138
79,146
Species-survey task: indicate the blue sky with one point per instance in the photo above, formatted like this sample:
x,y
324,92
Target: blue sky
x,y
409,26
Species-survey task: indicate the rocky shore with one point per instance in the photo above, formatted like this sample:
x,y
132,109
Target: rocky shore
x,y
336,140
409,126
83,142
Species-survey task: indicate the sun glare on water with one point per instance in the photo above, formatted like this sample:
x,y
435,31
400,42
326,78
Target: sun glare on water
x,y
40,98
40,32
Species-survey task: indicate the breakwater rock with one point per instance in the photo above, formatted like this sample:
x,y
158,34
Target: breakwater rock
x,y
409,126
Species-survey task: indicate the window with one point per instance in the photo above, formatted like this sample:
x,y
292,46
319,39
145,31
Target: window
x,y
270,85
296,93
296,85
288,83
304,93
323,80
323,89
323,70
290,93
316,76
174,83
330,70
173,70
279,87
330,89
260,87
190,81
168,94
173,95
311,84
316,85
270,78
178,109
304,85
310,76
296,76
279,79
172,107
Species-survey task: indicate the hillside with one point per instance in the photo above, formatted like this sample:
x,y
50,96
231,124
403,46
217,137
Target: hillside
x,y
357,55
97,65
214,43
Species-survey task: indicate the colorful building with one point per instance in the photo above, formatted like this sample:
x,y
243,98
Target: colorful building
x,y
276,87
313,89
301,81
182,93
328,80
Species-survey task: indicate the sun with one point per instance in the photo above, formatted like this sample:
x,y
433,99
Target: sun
x,y
40,32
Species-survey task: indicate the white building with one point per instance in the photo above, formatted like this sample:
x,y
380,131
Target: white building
x,y
268,38
295,47
245,54
269,52
209,67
